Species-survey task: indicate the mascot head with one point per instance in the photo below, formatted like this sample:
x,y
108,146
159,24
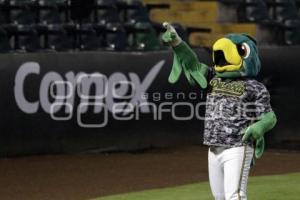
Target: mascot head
x,y
236,55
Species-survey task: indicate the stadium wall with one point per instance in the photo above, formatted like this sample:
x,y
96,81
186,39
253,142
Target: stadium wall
x,y
44,105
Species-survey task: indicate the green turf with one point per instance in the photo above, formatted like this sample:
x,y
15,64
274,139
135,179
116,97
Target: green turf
x,y
279,187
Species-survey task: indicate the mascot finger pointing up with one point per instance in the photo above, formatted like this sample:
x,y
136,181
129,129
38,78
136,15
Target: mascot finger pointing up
x,y
238,110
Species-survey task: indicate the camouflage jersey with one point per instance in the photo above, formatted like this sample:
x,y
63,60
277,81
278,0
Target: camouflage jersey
x,y
232,105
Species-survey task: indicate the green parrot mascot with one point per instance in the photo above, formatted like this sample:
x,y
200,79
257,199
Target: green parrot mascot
x,y
238,110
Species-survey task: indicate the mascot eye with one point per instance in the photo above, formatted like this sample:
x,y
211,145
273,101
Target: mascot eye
x,y
244,50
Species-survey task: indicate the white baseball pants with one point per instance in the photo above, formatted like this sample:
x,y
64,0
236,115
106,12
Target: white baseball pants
x,y
228,171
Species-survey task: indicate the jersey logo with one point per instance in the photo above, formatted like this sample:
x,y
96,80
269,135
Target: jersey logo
x,y
235,88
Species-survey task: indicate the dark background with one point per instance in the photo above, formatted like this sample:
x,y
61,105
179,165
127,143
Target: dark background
x,y
23,134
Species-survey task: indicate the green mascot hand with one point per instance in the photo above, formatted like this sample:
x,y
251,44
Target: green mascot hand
x,y
185,60
257,130
254,132
170,36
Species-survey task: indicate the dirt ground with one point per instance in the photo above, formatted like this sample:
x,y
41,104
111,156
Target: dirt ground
x,y
81,177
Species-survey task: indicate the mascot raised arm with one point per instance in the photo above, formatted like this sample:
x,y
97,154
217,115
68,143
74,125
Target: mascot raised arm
x,y
238,111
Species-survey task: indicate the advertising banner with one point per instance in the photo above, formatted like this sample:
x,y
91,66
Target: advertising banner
x,y
108,101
